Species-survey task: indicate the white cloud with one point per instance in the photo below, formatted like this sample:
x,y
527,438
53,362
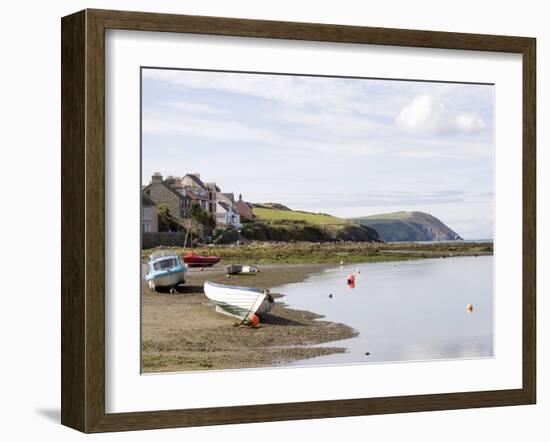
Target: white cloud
x,y
338,95
426,114
182,124
194,108
203,127
469,123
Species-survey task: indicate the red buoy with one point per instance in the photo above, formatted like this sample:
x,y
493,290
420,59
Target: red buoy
x,y
254,320
351,278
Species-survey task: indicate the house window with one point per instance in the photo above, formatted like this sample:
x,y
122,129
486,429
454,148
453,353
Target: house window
x,y
146,213
146,227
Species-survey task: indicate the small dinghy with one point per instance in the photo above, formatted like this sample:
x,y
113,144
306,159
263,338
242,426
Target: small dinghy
x,y
165,269
194,260
239,302
237,269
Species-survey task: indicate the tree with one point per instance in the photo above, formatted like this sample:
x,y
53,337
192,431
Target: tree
x,y
202,216
166,222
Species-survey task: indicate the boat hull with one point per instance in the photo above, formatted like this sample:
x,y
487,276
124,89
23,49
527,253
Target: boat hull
x,y
238,302
167,280
241,270
200,261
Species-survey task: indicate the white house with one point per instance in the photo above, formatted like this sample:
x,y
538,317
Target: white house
x,y
227,214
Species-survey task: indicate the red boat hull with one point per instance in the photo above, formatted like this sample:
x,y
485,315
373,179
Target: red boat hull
x,y
193,260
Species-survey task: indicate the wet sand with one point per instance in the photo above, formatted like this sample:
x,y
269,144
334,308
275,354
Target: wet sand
x,y
183,332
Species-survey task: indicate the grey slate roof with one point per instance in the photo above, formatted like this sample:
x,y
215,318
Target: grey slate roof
x,y
196,180
146,201
226,207
229,196
171,189
213,187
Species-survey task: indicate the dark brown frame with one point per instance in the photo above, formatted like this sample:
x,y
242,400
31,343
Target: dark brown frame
x,y
83,216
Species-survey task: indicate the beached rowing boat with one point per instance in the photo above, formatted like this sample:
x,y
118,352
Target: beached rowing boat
x,y
165,269
237,269
194,260
239,302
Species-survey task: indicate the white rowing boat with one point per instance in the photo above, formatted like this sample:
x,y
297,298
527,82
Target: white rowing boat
x,y
239,302
238,269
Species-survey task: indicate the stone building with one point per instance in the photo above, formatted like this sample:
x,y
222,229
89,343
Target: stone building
x,y
149,215
201,193
164,192
213,189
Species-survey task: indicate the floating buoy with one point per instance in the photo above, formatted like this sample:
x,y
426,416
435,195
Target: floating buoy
x,y
330,296
358,272
470,308
254,320
367,354
351,278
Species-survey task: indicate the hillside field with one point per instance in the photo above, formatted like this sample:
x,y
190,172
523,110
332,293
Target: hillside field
x,y
291,215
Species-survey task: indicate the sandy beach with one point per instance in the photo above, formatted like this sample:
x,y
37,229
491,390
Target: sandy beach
x,y
183,332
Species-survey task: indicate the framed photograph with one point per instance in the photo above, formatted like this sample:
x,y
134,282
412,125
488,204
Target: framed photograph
x,y
266,221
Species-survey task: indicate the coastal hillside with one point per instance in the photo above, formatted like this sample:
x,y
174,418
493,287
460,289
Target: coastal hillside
x,y
277,212
274,222
408,226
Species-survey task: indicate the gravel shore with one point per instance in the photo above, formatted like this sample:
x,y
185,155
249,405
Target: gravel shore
x,y
182,332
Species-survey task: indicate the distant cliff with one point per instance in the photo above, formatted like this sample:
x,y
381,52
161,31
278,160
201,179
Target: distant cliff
x,y
408,226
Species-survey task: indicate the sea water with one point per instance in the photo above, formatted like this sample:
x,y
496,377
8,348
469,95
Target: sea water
x,y
403,311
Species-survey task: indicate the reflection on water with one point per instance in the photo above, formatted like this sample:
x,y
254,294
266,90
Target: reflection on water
x,y
413,310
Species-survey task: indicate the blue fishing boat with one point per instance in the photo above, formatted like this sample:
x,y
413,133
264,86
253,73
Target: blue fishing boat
x,y
165,269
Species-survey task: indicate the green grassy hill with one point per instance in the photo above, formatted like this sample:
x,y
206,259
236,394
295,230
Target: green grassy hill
x,y
291,215
275,222
408,226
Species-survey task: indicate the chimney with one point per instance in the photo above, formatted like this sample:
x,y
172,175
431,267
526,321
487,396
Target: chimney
x,y
170,180
156,178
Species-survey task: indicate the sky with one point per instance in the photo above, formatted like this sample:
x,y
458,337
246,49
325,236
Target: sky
x,y
345,146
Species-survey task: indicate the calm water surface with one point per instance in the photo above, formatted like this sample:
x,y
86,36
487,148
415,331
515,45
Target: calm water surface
x,y
404,311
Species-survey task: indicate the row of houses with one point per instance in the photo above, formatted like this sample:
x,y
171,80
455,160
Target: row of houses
x,y
179,194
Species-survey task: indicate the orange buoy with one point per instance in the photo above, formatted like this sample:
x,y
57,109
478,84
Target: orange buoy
x,y
470,308
254,320
351,278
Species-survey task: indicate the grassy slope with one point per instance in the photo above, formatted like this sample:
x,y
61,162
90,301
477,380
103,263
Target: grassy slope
x,y
290,215
395,216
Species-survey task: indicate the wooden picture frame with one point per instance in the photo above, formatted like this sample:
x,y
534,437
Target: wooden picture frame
x,y
83,220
